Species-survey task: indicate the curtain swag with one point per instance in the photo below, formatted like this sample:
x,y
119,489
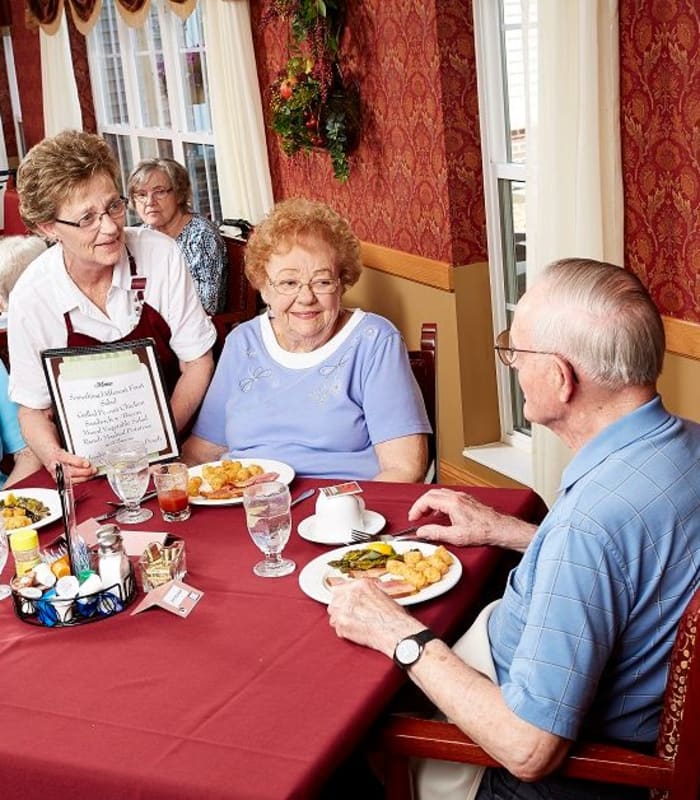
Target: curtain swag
x,y
47,13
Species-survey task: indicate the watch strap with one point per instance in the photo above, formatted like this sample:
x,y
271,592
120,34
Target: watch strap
x,y
421,638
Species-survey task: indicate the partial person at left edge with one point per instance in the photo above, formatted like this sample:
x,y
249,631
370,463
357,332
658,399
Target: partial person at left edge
x,y
83,291
24,462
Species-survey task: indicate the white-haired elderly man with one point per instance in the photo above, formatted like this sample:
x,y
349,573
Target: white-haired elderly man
x,y
581,639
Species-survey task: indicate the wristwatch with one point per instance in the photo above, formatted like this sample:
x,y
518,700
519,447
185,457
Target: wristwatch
x,y
410,649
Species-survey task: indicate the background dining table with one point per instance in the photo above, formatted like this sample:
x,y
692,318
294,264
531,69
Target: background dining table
x,y
253,696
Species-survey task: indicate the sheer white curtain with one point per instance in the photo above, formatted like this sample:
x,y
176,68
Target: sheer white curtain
x,y
239,129
575,200
58,89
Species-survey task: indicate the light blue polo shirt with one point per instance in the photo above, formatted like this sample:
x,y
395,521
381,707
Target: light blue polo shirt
x,y
583,635
10,435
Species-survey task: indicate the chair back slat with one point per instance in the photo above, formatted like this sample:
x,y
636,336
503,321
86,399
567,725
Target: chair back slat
x,y
423,364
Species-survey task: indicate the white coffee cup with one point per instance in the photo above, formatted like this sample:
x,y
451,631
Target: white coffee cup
x,y
336,516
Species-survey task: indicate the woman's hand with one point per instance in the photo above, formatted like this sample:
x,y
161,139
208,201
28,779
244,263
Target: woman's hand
x,y
79,468
471,522
40,434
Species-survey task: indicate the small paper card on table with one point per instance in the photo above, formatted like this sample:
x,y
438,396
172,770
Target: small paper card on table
x,y
174,596
349,487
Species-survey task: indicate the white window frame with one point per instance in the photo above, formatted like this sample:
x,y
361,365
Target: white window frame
x,y
492,115
132,131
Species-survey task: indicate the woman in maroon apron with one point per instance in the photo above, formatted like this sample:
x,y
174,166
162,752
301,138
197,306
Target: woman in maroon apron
x,y
102,282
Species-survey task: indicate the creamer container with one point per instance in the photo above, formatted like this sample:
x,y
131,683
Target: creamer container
x,y
24,543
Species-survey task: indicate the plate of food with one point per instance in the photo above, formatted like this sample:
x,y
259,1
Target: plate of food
x,y
221,483
29,508
410,572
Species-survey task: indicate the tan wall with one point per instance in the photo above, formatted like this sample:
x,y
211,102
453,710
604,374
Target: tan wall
x,y
467,398
679,386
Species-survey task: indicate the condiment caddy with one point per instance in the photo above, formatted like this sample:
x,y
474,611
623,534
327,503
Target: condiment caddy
x,y
47,594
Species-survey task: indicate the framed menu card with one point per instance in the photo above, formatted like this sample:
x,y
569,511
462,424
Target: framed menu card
x,y
109,394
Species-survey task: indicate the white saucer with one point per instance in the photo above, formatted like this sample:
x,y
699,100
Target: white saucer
x,y
372,522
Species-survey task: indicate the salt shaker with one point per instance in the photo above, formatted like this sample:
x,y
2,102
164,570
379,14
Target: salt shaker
x,y
112,563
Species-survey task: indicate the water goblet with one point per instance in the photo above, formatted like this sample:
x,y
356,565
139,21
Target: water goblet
x,y
5,590
128,475
269,522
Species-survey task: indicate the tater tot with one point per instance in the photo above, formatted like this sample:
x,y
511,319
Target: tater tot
x,y
193,485
415,578
412,557
432,575
395,567
443,554
439,564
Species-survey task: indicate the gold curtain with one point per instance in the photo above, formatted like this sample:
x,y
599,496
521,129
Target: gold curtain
x,y
47,13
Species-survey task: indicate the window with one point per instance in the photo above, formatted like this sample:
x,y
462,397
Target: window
x,y
505,32
151,91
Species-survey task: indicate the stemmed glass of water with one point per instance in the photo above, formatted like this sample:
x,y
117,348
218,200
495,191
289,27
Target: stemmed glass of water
x,y
269,522
128,475
5,590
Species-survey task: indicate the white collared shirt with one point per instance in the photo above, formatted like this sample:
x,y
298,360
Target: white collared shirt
x,y
45,292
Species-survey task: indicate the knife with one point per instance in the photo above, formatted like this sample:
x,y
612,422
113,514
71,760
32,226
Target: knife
x,y
302,496
115,511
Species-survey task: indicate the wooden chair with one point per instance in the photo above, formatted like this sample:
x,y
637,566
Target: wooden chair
x,y
242,299
423,363
673,773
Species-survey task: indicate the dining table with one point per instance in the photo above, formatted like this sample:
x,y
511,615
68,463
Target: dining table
x,y
253,696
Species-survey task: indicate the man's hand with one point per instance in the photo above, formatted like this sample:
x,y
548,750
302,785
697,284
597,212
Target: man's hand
x,y
471,522
361,612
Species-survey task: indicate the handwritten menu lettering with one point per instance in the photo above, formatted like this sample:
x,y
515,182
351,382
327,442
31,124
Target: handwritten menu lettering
x,y
109,394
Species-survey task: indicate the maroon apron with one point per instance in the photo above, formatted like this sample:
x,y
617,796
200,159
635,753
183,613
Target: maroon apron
x,y
151,325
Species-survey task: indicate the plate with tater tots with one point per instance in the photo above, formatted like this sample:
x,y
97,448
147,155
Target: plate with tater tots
x,y
221,483
29,508
410,572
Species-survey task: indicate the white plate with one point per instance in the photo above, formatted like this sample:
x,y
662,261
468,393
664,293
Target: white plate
x,y
312,579
285,472
372,522
49,497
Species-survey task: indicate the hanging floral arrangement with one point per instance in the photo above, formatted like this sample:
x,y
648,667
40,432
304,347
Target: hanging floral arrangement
x,y
310,104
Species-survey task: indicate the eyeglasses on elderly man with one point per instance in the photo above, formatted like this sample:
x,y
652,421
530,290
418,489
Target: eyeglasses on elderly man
x,y
507,353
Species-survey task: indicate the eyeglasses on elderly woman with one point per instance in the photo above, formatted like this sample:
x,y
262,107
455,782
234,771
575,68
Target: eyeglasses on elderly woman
x,y
91,221
317,285
156,194
507,353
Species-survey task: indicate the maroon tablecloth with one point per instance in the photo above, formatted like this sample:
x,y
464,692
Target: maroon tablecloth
x,y
252,696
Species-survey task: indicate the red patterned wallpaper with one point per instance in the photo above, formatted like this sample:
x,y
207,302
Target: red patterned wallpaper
x,y
660,108
415,181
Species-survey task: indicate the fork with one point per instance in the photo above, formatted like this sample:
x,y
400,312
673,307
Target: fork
x,y
360,537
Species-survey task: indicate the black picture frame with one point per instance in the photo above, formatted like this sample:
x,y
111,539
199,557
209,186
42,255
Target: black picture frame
x,y
108,394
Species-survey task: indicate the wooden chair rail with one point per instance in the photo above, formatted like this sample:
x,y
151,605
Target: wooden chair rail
x,y
423,738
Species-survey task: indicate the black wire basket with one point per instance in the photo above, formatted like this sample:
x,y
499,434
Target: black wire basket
x,y
59,612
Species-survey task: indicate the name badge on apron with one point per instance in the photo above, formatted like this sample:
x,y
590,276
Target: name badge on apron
x,y
138,286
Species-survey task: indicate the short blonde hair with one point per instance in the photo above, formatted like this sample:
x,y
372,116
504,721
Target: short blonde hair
x,y
301,221
53,169
16,254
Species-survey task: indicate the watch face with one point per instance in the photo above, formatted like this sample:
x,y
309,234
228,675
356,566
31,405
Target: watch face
x,y
407,651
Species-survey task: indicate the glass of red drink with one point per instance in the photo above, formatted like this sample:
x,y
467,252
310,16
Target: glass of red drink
x,y
171,484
